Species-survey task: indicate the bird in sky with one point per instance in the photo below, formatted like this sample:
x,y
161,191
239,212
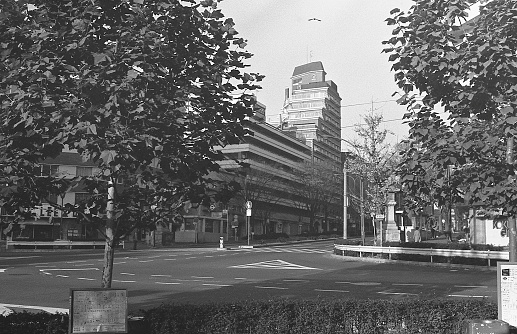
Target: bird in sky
x,y
314,19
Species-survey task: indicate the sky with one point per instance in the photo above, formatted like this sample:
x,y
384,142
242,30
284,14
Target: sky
x,y
347,40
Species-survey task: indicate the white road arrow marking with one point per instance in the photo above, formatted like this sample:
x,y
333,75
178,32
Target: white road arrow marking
x,y
274,264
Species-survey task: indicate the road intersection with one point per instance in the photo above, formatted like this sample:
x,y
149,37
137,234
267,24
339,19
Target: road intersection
x,y
160,276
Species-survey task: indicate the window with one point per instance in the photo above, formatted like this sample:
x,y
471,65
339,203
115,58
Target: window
x,y
72,233
49,170
81,198
84,171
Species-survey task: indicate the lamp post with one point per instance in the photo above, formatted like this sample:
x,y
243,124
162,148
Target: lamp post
x,y
345,202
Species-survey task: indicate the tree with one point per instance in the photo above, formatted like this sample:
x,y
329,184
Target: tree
x,y
145,89
468,68
373,161
313,194
253,185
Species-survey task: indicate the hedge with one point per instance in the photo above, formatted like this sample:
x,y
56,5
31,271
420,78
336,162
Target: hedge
x,y
407,316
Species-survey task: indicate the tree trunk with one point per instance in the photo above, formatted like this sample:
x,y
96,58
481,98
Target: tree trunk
x,y
109,254
109,249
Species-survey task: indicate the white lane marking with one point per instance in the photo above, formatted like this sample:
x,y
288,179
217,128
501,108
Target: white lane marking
x,y
22,257
170,259
62,276
467,296
329,290
209,256
295,280
168,283
119,281
274,264
408,284
471,286
188,258
154,257
45,266
68,269
3,270
47,273
43,308
397,293
119,262
172,255
129,274
78,261
203,277
221,285
143,261
241,278
86,279
160,275
360,283
270,287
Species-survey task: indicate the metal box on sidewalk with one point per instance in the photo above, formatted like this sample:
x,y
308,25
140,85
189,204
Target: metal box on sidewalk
x,y
479,326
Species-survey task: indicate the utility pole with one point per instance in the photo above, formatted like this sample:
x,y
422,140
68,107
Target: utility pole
x,y
363,235
512,228
345,202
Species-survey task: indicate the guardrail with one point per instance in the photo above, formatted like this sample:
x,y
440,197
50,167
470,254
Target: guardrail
x,y
67,244
426,252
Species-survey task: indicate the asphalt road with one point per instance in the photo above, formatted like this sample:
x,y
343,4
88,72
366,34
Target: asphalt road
x,y
305,271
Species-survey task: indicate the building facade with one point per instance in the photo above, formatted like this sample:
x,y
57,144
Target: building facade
x,y
265,165
312,109
49,223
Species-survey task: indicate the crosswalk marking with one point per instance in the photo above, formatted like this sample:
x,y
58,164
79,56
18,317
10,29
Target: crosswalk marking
x,y
274,264
285,250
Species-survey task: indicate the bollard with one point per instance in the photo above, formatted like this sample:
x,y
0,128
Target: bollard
x,y
221,242
479,326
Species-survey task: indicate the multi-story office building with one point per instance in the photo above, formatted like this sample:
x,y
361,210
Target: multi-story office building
x,y
312,108
271,157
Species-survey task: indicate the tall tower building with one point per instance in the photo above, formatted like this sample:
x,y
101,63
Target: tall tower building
x,y
312,108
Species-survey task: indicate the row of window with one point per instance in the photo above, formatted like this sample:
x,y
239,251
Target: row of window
x,y
51,170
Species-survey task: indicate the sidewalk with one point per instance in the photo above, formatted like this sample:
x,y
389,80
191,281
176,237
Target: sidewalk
x,y
231,244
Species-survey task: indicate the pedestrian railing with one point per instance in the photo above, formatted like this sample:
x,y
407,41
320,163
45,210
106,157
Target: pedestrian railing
x,y
427,254
67,244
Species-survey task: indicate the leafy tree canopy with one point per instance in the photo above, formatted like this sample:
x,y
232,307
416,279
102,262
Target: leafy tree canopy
x,y
468,68
144,89
372,160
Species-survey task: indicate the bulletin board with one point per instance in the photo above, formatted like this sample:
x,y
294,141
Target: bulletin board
x,y
507,292
98,311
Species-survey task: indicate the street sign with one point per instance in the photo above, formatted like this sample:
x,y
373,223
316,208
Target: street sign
x,y
248,205
212,207
507,292
379,216
235,221
248,212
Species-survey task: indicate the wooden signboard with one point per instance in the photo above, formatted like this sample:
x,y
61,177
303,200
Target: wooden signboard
x,y
98,311
507,292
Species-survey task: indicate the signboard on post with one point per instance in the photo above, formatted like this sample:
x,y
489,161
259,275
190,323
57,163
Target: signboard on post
x,y
507,292
98,311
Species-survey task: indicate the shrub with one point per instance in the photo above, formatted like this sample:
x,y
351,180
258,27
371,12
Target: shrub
x,y
406,316
34,323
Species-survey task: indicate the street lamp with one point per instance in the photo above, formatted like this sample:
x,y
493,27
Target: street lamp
x,y
345,186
